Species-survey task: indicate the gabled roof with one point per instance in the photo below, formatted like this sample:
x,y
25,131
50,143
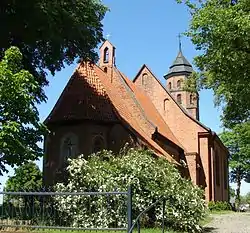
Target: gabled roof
x,y
83,98
128,108
181,108
179,66
151,113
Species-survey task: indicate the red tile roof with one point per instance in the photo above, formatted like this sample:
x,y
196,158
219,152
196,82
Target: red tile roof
x,y
84,97
91,94
151,113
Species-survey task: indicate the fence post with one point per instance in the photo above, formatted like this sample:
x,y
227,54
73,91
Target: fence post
x,y
129,208
163,215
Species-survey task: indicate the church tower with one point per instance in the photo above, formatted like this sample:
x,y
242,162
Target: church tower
x,y
107,58
178,72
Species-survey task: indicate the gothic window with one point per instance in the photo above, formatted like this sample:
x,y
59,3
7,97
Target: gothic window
x,y
179,101
144,77
98,143
179,84
106,55
169,85
191,100
69,147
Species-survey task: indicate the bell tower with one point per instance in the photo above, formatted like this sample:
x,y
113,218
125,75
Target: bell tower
x,y
178,72
107,57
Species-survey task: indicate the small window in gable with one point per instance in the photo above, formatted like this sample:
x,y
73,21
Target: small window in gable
x,y
106,55
179,100
98,143
144,78
105,69
169,85
165,104
179,84
191,100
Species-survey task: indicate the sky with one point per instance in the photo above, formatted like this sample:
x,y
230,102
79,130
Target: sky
x,y
143,32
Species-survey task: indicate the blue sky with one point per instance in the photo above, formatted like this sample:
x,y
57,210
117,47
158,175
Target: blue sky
x,y
143,32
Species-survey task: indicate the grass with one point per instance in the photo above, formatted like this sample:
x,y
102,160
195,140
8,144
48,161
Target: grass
x,y
206,220
143,230
221,212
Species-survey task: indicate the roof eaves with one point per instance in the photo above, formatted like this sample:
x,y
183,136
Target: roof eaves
x,y
46,121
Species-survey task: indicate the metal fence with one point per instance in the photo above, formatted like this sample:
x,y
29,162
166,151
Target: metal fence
x,y
59,210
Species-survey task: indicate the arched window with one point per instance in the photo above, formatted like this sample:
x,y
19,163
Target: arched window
x,y
179,101
179,84
165,104
69,147
191,100
106,55
144,78
105,69
169,85
98,143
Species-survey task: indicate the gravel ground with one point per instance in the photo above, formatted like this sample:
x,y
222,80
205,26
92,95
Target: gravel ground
x,y
229,223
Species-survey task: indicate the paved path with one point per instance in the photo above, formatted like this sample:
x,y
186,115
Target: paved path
x,y
230,223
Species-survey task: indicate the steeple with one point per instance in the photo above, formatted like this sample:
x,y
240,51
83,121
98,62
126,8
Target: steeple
x,y
178,72
180,66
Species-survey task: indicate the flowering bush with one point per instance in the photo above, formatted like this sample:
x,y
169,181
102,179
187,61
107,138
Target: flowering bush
x,y
151,179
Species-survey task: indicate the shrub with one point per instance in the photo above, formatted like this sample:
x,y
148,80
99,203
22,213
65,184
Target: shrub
x,y
151,179
219,206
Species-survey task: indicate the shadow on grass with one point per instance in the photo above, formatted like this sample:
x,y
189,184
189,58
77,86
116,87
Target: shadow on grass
x,y
209,229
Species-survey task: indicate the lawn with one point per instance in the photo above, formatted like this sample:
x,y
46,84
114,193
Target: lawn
x,y
143,230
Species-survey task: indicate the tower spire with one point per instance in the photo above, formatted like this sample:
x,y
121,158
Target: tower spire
x,y
179,36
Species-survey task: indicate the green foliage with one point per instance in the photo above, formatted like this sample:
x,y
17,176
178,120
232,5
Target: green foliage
x,y
219,206
151,179
27,177
245,199
20,129
220,30
237,141
231,192
51,33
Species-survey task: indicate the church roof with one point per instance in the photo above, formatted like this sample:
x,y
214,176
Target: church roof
x,y
179,66
90,94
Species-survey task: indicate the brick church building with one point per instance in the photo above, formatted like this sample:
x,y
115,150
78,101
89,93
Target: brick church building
x,y
101,108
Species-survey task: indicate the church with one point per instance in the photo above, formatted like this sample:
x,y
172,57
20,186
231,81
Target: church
x,y
101,108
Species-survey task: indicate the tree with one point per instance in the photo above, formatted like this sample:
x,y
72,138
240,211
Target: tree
x,y
51,33
20,129
237,141
220,30
27,177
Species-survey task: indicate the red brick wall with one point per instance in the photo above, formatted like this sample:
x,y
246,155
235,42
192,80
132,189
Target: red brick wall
x,y
221,190
115,136
185,129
